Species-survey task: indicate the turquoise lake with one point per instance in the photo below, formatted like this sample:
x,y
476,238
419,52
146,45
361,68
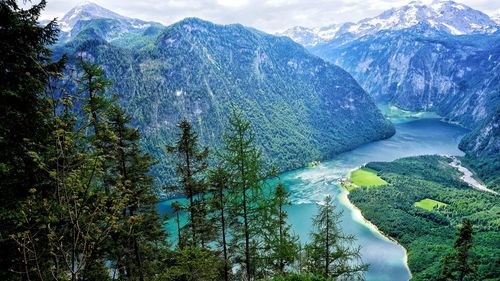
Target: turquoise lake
x,y
308,186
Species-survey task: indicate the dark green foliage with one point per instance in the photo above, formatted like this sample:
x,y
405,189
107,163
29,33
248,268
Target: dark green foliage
x,y
429,235
26,69
280,245
138,235
330,253
457,266
298,277
191,264
191,165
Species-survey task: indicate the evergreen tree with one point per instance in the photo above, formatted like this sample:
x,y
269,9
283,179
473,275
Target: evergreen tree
x,y
219,187
139,231
458,266
191,166
26,68
281,247
244,164
330,253
177,209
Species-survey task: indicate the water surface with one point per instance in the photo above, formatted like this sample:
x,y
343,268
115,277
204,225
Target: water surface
x,y
308,186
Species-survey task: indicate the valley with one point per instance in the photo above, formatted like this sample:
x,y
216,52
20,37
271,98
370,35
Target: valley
x,y
186,149
310,185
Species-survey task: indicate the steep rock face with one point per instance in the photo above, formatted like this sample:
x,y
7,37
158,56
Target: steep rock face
x,y
421,68
484,141
301,107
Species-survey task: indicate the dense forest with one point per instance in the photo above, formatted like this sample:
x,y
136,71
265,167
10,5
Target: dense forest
x,y
429,234
78,200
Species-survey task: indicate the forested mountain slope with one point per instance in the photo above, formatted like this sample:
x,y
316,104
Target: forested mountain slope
x,y
301,107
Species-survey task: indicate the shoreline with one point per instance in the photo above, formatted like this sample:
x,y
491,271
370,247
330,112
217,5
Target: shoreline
x,y
358,216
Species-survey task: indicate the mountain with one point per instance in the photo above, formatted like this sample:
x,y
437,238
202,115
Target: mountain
x,y
74,21
311,36
301,107
496,17
442,57
484,141
442,15
422,68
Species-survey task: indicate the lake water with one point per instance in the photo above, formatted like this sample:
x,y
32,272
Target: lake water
x,y
308,186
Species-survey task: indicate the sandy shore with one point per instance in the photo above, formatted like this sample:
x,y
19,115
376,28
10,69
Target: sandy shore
x,y
358,216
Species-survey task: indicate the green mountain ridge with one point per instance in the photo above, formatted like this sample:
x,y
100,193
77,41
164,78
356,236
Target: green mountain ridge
x,y
301,107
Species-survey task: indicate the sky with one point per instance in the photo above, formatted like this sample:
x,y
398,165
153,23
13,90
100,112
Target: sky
x,y
267,15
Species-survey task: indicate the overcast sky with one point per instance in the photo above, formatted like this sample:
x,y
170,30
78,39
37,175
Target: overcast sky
x,y
267,15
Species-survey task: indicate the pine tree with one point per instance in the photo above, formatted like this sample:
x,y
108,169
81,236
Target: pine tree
x,y
244,164
177,209
330,253
191,166
458,266
26,68
139,228
281,247
219,188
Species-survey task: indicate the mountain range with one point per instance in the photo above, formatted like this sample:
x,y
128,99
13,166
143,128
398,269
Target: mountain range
x,y
442,57
442,15
301,107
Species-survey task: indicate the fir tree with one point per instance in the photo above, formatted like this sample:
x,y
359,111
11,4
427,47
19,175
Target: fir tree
x,y
330,253
177,209
458,266
219,187
26,68
281,247
191,166
139,230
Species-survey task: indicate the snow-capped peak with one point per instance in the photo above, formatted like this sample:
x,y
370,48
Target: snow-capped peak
x,y
86,10
311,36
444,15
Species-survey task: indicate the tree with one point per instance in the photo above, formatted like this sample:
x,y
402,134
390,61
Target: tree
x,y
26,68
219,188
281,247
139,231
191,264
457,266
244,164
191,166
330,253
177,208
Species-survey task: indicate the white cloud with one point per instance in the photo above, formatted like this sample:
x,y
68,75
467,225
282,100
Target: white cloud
x,y
266,15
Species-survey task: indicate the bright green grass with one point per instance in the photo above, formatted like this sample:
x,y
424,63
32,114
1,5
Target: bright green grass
x,y
366,177
429,204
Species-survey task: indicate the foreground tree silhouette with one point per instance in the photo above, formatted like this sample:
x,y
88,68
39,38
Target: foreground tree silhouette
x,y
458,266
330,252
26,67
